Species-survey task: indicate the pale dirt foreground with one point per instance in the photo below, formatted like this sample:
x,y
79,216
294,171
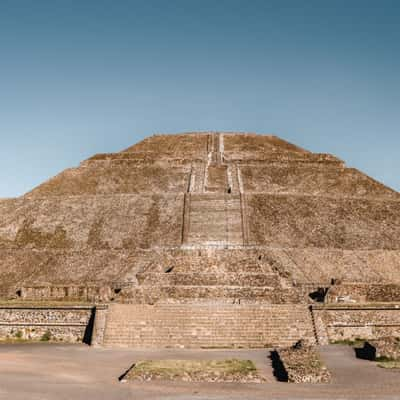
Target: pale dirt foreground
x,y
52,371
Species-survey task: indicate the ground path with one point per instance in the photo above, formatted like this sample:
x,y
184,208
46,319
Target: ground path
x,y
348,370
52,371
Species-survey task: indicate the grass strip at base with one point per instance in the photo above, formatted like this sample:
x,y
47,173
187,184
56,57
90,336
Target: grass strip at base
x,y
232,370
357,342
391,364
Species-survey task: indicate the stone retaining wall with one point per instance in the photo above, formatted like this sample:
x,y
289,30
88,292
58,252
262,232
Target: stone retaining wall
x,y
364,292
59,323
348,322
66,293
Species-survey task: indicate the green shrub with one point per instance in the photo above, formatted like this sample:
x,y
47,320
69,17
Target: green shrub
x,y
18,334
46,336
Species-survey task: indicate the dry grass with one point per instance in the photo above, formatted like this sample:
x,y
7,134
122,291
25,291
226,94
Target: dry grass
x,y
357,342
232,370
390,364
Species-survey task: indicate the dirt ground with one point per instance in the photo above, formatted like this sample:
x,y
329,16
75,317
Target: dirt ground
x,y
53,371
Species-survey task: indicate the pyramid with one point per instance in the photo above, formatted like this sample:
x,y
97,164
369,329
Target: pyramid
x,y
221,228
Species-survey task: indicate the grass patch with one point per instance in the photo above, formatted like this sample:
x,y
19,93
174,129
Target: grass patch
x,y
19,335
357,342
232,370
389,364
46,337
11,340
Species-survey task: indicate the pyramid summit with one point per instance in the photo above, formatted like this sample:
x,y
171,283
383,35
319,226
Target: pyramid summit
x,y
183,231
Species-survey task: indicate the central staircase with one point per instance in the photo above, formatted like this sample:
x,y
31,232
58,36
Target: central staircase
x,y
207,326
204,298
212,299
213,220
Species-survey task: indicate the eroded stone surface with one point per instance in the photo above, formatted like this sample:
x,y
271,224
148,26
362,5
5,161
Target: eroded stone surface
x,y
205,218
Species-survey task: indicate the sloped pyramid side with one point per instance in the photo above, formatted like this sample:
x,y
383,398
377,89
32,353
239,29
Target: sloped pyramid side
x,y
99,223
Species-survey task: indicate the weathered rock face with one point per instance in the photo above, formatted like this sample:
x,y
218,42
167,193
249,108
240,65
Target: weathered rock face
x,y
55,323
203,217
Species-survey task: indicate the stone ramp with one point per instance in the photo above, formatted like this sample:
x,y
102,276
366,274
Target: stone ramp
x,y
207,325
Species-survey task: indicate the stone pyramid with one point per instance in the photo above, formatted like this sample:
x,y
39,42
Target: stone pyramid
x,y
207,220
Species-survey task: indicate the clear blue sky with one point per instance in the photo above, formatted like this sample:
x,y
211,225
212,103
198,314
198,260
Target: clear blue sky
x,y
83,77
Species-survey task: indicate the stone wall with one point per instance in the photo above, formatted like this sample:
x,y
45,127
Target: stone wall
x,y
348,322
363,292
60,323
66,293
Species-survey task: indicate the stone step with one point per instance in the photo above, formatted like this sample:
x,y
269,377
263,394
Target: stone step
x,y
217,197
213,219
203,265
207,326
215,207
217,178
208,279
197,228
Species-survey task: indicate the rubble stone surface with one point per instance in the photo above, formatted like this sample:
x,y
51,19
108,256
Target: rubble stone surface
x,y
303,365
205,219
